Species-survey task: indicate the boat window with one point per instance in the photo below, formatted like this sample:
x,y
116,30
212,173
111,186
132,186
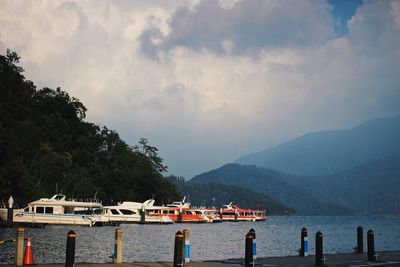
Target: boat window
x,y
228,213
127,212
58,197
49,210
26,209
39,209
114,212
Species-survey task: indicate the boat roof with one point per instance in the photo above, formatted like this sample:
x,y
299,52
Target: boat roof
x,y
60,200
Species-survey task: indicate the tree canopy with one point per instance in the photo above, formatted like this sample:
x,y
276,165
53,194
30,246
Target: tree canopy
x,y
46,145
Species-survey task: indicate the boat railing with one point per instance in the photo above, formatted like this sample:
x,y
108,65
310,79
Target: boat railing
x,y
87,200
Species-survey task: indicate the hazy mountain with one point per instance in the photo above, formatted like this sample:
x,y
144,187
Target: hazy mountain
x,y
326,153
273,184
371,188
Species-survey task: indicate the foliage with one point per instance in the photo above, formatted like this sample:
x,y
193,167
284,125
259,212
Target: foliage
x,y
217,195
46,145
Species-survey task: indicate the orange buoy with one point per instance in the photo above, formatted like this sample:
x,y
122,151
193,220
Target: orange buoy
x,y
28,256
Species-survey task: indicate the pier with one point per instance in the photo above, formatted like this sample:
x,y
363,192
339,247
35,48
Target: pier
x,y
385,258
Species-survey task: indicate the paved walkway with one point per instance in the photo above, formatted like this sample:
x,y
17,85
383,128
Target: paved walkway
x,y
389,258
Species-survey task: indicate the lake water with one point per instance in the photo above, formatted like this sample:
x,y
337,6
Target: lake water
x,y
279,236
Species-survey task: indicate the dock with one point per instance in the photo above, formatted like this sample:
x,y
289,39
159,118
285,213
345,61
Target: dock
x,y
385,258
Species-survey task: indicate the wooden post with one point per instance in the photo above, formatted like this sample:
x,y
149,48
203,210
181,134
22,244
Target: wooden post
x,y
70,252
118,245
371,245
186,245
10,212
178,257
319,254
248,254
360,240
19,248
303,252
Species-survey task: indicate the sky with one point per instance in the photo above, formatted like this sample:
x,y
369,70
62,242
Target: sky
x,y
207,82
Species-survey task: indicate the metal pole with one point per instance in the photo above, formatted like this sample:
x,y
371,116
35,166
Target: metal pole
x,y
70,253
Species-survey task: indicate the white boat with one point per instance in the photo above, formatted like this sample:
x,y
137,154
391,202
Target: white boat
x,y
133,212
57,210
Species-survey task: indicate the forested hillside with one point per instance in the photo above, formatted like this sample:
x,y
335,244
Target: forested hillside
x,y
218,194
46,145
273,184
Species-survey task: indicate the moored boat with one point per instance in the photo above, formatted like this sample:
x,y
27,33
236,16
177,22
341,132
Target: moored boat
x,y
179,212
133,212
56,210
235,213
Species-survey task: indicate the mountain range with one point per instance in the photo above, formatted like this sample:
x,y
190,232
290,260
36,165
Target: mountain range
x,y
354,171
330,152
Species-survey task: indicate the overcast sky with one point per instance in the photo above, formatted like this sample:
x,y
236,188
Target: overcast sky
x,y
209,81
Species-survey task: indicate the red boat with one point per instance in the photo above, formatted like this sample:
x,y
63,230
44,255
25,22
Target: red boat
x,y
179,211
235,213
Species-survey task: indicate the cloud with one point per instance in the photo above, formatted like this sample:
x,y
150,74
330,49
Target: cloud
x,y
246,26
207,82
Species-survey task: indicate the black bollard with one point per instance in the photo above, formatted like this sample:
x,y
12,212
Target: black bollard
x,y
303,252
319,254
10,217
143,215
178,251
180,216
10,212
371,245
360,240
70,254
248,254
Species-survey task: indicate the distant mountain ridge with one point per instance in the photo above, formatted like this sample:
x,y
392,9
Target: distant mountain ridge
x,y
329,152
273,184
368,189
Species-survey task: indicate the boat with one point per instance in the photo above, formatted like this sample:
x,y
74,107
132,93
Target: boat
x,y
179,211
133,212
57,210
211,214
235,213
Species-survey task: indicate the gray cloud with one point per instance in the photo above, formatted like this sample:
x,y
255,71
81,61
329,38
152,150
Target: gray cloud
x,y
207,100
245,27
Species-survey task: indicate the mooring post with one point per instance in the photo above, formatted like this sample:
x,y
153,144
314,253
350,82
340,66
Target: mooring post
x,y
186,245
19,248
360,240
178,256
119,234
303,252
248,254
180,215
319,254
254,247
143,215
70,253
371,245
10,212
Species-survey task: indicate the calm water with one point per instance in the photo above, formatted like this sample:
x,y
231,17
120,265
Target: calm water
x,y
278,236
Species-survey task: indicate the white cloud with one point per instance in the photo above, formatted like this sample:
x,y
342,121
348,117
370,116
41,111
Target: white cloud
x,y
221,81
